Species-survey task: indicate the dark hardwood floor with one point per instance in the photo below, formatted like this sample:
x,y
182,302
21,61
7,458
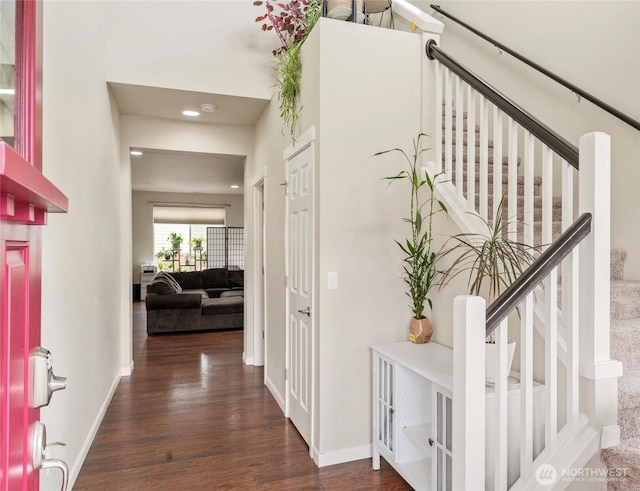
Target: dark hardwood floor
x,y
193,417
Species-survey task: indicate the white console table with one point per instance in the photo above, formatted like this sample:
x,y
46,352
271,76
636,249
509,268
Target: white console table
x,y
412,415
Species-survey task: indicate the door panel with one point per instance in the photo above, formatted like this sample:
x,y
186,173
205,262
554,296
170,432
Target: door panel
x,y
300,268
14,372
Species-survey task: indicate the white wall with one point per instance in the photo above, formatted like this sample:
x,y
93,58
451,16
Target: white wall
x,y
206,46
268,163
357,109
142,219
595,45
81,299
365,107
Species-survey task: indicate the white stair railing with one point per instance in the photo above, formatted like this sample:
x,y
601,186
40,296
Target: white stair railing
x,y
486,152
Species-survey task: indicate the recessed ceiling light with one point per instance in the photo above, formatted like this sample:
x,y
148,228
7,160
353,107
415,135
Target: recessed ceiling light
x,y
191,113
234,186
7,91
208,108
137,153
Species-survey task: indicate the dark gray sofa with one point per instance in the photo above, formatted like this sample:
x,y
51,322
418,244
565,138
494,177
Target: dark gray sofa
x,y
195,301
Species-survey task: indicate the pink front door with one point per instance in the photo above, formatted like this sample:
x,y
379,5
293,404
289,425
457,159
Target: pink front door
x,y
20,329
26,197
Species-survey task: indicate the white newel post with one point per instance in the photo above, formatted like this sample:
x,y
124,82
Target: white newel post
x,y
469,313
599,374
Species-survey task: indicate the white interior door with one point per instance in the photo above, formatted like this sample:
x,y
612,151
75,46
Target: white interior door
x,y
300,281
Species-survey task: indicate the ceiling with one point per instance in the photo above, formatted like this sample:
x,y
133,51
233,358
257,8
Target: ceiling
x,y
186,172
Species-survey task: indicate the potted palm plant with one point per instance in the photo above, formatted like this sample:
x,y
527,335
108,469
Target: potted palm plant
x,y
420,262
493,261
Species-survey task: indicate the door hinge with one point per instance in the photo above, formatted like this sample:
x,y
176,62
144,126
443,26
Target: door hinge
x,y
286,186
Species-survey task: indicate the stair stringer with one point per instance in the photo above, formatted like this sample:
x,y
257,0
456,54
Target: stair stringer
x,y
465,217
576,445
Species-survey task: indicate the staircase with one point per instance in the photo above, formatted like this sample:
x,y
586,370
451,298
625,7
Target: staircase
x,y
625,346
622,461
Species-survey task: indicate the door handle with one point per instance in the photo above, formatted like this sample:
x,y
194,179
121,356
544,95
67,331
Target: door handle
x,y
306,311
39,450
43,382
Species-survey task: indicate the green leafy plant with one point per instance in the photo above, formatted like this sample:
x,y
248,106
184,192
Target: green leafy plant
x,y
197,241
420,262
291,21
492,260
165,254
175,239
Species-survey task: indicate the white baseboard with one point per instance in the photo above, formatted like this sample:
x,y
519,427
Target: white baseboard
x,y
127,371
341,456
247,360
274,392
77,465
610,436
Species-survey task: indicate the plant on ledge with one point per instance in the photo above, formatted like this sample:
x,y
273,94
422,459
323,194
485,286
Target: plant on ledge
x,y
420,262
292,24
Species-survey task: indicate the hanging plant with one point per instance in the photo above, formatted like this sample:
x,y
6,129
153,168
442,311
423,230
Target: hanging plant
x,y
291,21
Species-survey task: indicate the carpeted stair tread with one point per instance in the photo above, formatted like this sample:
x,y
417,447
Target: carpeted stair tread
x,y
625,340
556,209
618,257
624,463
629,406
464,139
625,299
629,392
465,157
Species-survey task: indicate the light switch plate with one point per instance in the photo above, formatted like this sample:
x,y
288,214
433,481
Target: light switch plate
x,y
332,280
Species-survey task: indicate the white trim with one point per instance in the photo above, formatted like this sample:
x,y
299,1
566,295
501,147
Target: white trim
x,y
305,141
247,360
610,436
341,456
276,395
84,450
600,370
413,14
258,302
576,445
127,371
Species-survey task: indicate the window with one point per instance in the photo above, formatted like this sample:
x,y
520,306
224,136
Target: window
x,y
190,223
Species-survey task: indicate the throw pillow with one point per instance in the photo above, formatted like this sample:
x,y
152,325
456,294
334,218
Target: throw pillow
x,y
162,286
170,279
236,278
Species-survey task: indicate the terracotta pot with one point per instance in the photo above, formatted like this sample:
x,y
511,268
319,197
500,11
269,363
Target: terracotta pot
x,y
420,330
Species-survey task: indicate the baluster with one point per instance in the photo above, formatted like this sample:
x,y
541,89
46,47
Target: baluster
x,y
448,116
528,189
497,159
439,116
484,156
526,388
550,305
512,173
471,148
570,286
502,375
459,137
